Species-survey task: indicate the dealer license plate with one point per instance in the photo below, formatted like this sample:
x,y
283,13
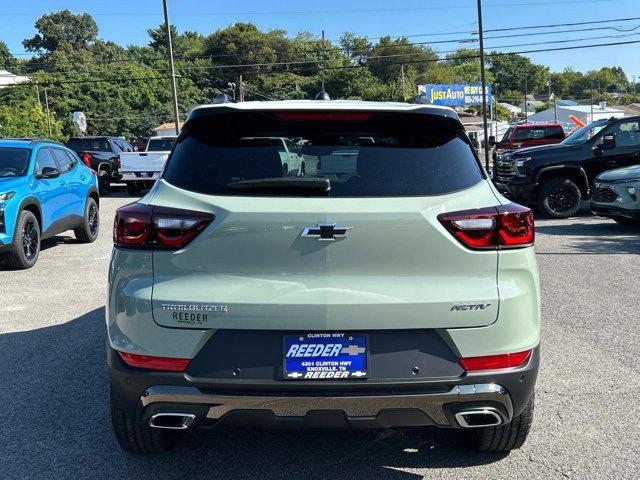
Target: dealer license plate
x,y
326,356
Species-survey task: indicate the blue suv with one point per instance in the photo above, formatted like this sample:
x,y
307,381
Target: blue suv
x,y
44,190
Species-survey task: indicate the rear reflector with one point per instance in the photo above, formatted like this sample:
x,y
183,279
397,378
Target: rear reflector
x,y
503,226
155,363
491,362
332,116
145,226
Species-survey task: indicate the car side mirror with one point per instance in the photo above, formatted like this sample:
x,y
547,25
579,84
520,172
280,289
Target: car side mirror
x,y
608,141
492,140
49,172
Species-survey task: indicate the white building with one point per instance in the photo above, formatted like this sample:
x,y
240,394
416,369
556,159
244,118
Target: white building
x,y
8,78
570,117
512,108
167,129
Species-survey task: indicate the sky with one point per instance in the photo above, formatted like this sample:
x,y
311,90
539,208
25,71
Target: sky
x,y
126,22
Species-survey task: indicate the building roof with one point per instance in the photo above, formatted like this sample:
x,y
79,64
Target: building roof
x,y
587,109
168,125
8,78
631,109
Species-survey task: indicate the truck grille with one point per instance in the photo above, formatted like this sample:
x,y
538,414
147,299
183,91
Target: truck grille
x,y
604,194
505,169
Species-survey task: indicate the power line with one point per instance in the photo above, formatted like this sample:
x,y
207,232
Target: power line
x,y
369,58
573,24
344,67
306,61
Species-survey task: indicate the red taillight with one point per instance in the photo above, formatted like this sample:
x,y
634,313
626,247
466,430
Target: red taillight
x,y
330,116
144,226
504,226
118,164
85,159
491,362
155,363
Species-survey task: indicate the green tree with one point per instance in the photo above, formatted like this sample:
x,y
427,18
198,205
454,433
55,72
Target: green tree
x,y
25,117
7,60
389,55
62,29
510,71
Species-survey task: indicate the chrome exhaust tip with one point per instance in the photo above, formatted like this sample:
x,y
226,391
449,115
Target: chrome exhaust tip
x,y
479,417
172,421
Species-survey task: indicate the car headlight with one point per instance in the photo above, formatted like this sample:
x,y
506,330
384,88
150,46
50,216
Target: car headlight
x,y
6,196
520,165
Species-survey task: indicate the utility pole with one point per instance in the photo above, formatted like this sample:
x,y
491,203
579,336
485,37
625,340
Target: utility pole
x,y
241,90
634,88
526,107
176,116
323,60
484,88
555,110
46,103
591,119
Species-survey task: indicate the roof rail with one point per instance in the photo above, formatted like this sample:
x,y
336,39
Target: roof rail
x,y
35,141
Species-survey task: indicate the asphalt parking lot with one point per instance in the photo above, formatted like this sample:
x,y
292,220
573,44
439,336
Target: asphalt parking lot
x,y
54,397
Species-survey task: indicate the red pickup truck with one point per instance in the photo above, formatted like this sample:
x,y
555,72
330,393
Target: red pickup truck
x,y
529,135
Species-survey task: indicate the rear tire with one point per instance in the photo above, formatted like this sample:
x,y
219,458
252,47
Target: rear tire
x,y
503,438
626,221
136,437
133,188
559,198
25,247
90,228
104,182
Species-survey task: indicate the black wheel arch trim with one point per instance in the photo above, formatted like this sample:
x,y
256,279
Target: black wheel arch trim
x,y
574,168
29,202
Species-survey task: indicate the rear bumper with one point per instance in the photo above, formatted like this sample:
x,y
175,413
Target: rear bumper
x,y
135,177
611,211
372,403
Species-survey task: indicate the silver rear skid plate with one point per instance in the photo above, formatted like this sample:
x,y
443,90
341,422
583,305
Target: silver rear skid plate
x,y
356,406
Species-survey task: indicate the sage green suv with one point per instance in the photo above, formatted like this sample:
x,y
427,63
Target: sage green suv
x,y
388,284
616,194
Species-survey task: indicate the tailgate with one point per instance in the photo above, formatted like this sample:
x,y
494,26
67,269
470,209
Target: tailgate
x,y
251,269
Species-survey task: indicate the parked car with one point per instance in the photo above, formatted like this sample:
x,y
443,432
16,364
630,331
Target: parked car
x,y
615,195
529,135
404,294
44,190
292,160
102,154
557,177
140,170
139,144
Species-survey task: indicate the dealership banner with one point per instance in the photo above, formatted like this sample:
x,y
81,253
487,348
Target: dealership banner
x,y
454,95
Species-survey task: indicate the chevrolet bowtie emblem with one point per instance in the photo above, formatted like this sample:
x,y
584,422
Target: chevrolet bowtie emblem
x,y
326,232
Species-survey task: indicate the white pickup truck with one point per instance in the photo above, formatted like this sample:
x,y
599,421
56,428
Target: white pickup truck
x,y
141,169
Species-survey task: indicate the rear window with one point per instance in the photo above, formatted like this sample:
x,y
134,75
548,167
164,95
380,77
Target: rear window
x,y
539,133
14,162
160,145
371,155
89,145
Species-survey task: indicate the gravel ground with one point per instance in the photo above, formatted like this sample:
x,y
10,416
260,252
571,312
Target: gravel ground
x,y
53,382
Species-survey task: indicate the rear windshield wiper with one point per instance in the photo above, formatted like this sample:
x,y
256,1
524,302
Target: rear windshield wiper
x,y
284,184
